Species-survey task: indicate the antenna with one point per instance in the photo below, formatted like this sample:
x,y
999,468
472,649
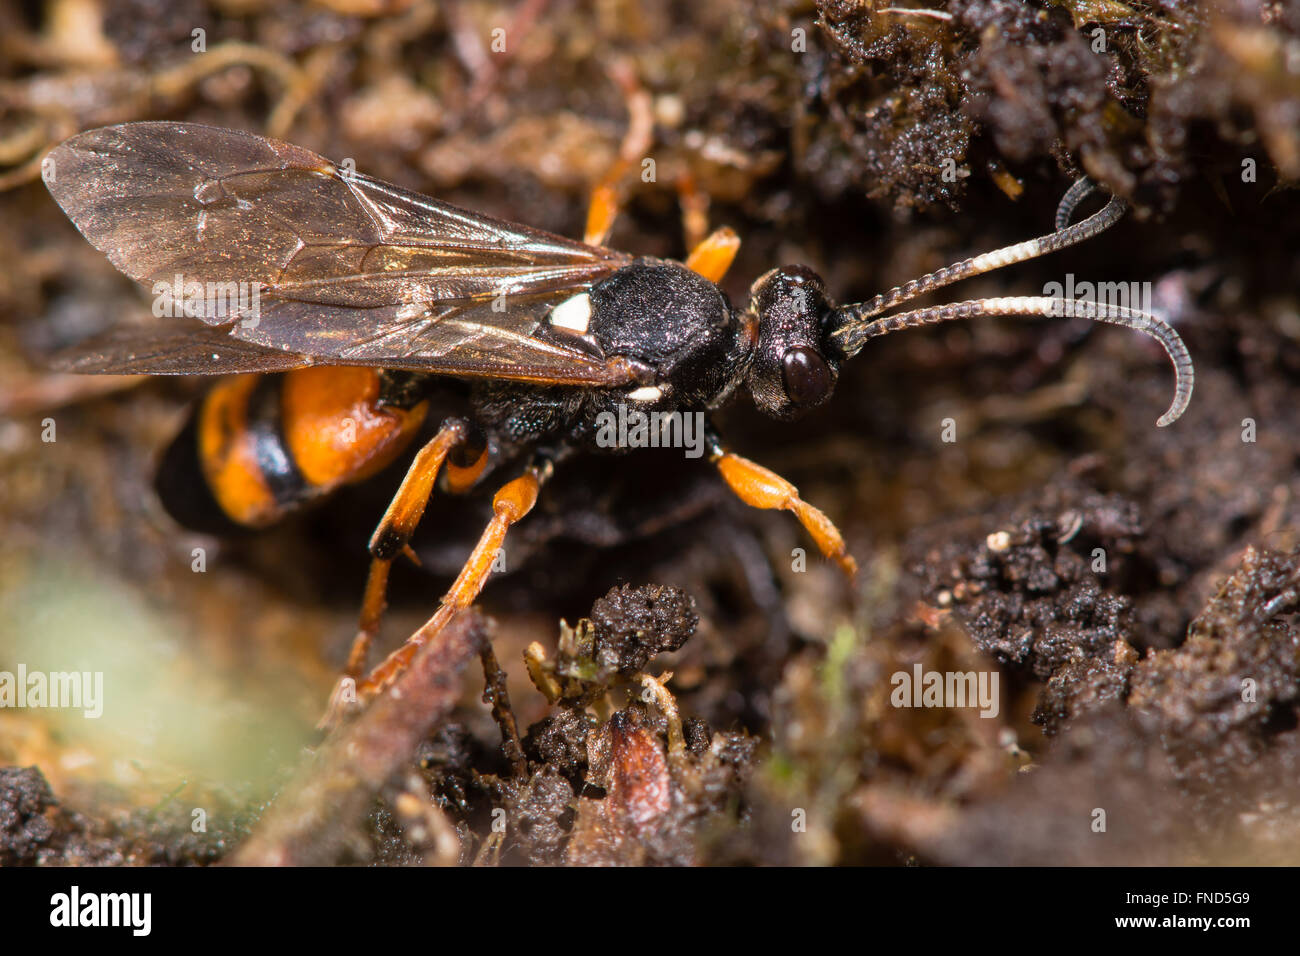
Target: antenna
x,y
857,322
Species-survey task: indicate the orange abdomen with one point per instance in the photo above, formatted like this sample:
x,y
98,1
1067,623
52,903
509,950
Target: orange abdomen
x,y
266,444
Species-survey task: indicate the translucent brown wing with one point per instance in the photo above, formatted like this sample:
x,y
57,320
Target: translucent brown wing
x,y
347,269
174,347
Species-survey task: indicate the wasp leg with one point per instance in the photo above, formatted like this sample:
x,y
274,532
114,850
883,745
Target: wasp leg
x,y
604,206
391,538
602,210
711,252
694,202
713,257
393,534
760,488
515,499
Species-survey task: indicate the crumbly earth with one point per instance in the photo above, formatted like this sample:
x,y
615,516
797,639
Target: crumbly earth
x,y
1134,589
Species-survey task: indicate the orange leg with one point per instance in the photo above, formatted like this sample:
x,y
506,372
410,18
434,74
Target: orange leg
x,y
713,257
391,538
711,252
695,209
511,503
604,205
760,488
393,534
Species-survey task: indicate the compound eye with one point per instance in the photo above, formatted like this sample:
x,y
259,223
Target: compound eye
x,y
807,378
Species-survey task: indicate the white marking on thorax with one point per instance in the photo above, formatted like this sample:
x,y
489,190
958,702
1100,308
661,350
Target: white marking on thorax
x,y
646,393
574,313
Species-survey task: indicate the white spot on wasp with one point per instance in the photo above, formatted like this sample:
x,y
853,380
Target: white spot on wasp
x,y
574,313
646,393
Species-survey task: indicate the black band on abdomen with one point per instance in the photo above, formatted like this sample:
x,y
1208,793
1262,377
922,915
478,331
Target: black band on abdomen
x,y
265,429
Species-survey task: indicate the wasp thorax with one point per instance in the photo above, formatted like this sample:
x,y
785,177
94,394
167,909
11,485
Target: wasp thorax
x,y
791,371
675,321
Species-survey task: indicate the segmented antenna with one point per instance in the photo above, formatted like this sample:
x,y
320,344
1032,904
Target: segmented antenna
x,y
856,322
1083,188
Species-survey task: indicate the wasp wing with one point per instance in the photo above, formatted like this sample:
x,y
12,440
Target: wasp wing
x,y
485,339
173,348
188,347
290,251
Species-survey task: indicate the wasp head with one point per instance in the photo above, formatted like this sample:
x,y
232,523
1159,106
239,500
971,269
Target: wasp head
x,y
794,367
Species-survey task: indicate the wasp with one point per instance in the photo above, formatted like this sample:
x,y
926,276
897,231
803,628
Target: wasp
x,y
368,296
